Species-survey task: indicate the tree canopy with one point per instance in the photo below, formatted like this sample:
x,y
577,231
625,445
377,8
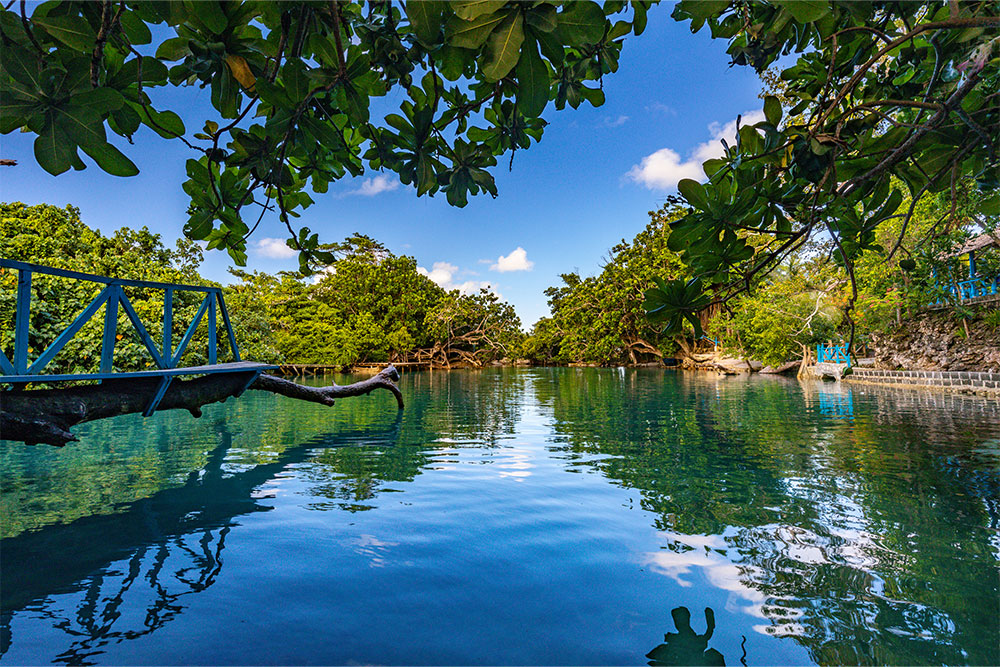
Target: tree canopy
x,y
293,84
802,302
600,319
369,305
886,102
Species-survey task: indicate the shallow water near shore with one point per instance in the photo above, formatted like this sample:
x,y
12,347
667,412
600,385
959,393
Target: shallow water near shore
x,y
515,516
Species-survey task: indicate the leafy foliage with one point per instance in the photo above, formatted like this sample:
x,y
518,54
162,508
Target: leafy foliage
x,y
804,301
369,305
293,84
57,237
889,102
601,319
799,304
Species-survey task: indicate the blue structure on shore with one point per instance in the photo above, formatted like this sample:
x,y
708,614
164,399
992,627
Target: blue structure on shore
x,y
166,357
976,285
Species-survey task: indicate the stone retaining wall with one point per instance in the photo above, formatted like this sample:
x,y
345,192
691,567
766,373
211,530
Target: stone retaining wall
x,y
949,407
966,381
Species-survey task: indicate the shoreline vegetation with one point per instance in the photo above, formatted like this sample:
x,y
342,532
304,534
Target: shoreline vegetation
x,y
370,307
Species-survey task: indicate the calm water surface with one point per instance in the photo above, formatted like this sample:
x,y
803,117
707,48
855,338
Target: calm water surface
x,y
537,516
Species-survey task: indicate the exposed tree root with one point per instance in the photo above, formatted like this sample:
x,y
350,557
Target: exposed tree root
x,y
44,416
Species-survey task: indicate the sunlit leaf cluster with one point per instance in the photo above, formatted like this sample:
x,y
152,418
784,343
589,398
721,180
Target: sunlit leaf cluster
x,y
295,89
885,102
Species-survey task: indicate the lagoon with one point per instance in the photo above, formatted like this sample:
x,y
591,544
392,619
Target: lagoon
x,y
515,516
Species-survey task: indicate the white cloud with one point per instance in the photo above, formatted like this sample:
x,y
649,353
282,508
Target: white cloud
x,y
274,249
444,274
375,186
517,260
615,122
663,169
660,107
323,273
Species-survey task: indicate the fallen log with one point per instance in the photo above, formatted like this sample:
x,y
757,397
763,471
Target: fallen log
x,y
44,416
783,368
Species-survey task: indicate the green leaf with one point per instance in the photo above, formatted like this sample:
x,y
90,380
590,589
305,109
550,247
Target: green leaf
x,y
552,47
135,28
174,48
124,121
990,205
294,80
471,34
542,18
582,23
425,19
472,9
702,9
167,124
907,264
805,11
694,193
102,100
19,64
199,225
209,13
73,31
14,113
695,324
425,175
111,160
638,18
532,81
55,152
82,124
503,47
772,110
225,93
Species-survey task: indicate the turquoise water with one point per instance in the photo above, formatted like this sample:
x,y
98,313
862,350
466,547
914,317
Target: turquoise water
x,y
534,516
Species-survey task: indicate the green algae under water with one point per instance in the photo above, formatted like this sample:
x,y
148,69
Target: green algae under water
x,y
532,516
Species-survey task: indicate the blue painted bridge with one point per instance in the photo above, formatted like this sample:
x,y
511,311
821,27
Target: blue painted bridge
x,y
21,369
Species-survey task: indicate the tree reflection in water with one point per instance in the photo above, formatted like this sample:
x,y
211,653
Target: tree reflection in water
x,y
857,521
171,544
174,568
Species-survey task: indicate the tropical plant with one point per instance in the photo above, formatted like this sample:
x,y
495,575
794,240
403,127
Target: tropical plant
x,y
600,319
293,85
889,99
369,305
58,238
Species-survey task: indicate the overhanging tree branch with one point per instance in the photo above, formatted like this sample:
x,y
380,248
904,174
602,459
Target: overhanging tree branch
x,y
44,416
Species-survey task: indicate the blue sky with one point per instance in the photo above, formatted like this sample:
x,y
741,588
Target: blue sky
x,y
587,185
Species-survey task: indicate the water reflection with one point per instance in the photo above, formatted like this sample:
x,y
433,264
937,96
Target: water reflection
x,y
128,562
686,647
870,541
858,524
167,546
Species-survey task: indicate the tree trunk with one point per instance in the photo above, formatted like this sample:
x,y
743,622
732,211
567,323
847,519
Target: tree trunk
x,y
44,416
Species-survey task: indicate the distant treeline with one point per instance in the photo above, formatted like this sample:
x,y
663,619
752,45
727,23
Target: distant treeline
x,y
370,305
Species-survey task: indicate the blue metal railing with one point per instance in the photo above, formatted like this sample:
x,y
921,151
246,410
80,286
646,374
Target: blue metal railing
x,y
970,289
111,297
834,404
833,354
